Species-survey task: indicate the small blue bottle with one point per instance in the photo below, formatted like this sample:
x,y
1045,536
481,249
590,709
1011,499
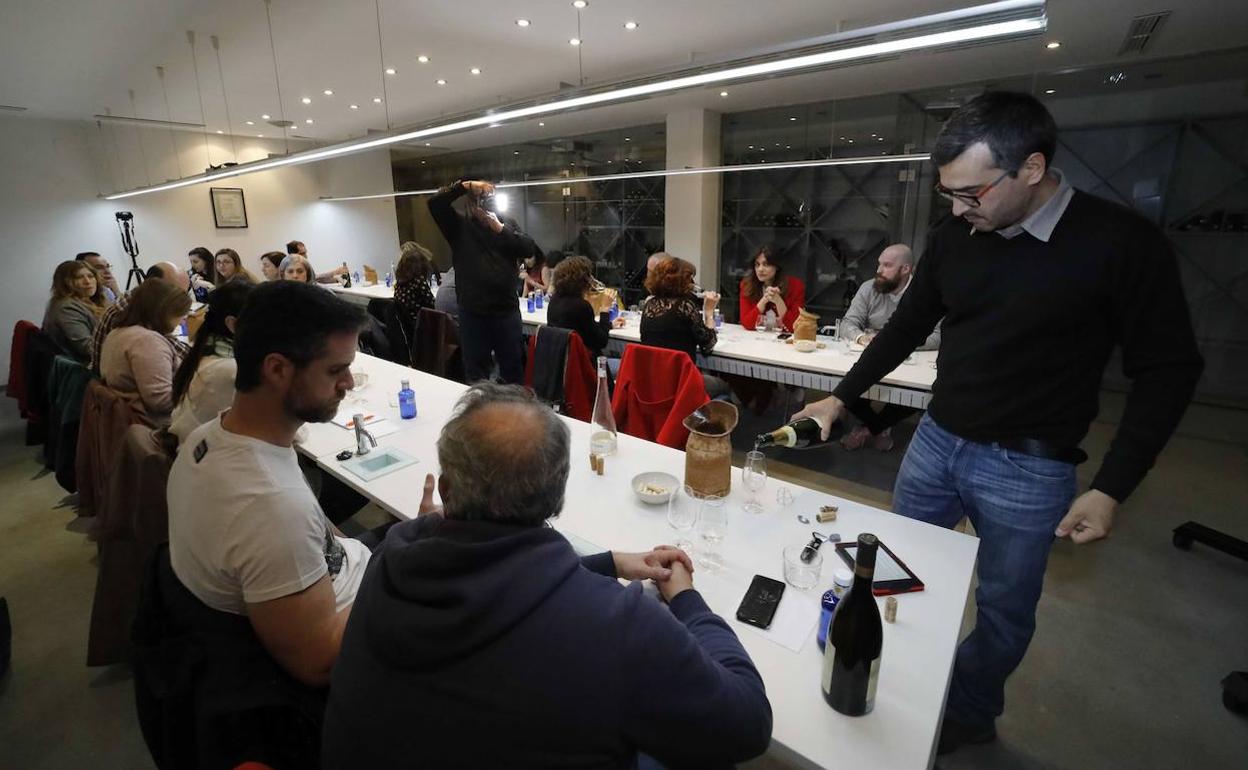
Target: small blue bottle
x,y
355,277
407,401
540,301
614,313
719,319
532,304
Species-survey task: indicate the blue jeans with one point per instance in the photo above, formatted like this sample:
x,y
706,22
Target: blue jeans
x,y
1014,501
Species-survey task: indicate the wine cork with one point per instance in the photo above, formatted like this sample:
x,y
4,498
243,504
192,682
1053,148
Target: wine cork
x,y
825,515
601,464
890,609
593,462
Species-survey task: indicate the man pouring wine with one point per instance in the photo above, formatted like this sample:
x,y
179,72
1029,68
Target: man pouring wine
x,y
1035,294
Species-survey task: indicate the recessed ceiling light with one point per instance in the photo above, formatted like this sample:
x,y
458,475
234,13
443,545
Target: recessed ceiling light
x,y
422,59
264,117
879,139
724,94
1053,44
355,106
851,141
251,122
627,139
391,71
475,70
328,92
1050,90
422,163
219,131
578,4
791,118
574,41
873,136
522,22
306,100
308,121
376,100
842,138
259,136
515,152
428,144
440,82
540,124
751,147
630,25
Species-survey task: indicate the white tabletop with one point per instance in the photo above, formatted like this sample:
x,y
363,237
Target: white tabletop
x,y
918,649
363,294
735,342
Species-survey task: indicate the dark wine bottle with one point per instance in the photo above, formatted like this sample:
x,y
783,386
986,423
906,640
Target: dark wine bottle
x,y
346,276
851,658
803,433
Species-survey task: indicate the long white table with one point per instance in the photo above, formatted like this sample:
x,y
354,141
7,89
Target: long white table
x,y
361,295
764,357
918,649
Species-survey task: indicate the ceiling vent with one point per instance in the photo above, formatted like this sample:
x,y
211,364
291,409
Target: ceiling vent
x,y
1141,31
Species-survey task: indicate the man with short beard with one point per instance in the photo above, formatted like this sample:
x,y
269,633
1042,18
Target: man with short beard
x,y
873,305
246,534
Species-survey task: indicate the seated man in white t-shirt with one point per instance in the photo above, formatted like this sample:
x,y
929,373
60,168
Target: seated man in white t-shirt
x,y
246,534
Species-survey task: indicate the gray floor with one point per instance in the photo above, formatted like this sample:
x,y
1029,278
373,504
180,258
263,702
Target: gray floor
x,y
1133,636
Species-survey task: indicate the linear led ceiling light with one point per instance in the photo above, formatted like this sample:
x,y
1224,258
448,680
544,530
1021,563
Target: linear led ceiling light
x,y
994,22
763,166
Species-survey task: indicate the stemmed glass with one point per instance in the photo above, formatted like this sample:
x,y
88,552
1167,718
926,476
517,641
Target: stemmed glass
x,y
713,528
682,516
754,476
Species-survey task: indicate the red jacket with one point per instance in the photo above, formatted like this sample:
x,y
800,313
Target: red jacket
x,y
794,300
656,390
17,367
580,377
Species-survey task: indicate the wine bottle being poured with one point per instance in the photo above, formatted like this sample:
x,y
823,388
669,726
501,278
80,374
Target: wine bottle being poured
x,y
803,433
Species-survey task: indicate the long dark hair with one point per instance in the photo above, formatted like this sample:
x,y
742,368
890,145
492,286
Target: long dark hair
x,y
752,286
224,301
209,273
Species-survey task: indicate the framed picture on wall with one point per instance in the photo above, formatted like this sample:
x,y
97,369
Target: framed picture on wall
x,y
228,207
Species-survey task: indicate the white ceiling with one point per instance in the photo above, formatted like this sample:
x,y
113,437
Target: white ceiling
x,y
72,58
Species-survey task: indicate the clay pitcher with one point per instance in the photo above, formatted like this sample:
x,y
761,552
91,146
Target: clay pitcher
x,y
708,453
806,325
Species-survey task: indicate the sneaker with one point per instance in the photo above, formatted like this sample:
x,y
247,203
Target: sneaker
x,y
954,734
856,439
884,441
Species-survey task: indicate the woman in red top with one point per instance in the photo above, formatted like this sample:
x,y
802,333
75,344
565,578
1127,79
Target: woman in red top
x,y
765,288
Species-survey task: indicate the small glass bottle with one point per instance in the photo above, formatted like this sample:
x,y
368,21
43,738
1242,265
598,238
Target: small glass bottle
x,y
602,436
407,401
531,304
719,319
841,582
390,276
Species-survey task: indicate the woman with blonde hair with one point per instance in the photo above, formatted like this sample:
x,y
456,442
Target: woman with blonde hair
x,y
139,356
75,308
230,266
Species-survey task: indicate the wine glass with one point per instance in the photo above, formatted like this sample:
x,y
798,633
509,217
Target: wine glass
x,y
713,528
754,476
682,516
760,323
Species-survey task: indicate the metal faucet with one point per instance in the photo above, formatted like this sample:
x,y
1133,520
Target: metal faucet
x,y
362,447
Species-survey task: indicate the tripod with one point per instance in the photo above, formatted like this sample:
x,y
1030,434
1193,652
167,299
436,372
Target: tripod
x,y
129,244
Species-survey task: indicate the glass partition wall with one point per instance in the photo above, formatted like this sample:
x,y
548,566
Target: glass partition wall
x,y
1168,138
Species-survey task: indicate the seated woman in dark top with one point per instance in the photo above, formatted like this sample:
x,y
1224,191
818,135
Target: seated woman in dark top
x,y
411,288
569,309
673,317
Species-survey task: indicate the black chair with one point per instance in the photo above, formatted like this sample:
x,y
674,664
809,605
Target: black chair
x,y
401,332
208,694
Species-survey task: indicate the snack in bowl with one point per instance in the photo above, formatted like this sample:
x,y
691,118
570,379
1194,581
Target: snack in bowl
x,y
805,346
654,487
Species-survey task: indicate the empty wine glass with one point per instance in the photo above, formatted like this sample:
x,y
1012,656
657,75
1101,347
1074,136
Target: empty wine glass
x,y
760,323
682,516
713,528
754,476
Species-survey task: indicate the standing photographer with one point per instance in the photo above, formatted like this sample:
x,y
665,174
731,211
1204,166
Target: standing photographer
x,y
485,254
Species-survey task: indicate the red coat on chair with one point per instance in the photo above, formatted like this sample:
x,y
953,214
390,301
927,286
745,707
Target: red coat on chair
x,y
656,390
580,377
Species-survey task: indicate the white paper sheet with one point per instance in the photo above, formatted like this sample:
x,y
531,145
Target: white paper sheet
x,y
795,618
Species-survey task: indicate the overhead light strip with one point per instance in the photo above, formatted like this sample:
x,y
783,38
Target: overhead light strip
x,y
1010,28
563,181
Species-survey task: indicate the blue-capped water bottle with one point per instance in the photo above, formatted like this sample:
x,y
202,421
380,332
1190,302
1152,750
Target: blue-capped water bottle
x,y
614,313
407,401
540,300
390,276
531,304
719,319
356,277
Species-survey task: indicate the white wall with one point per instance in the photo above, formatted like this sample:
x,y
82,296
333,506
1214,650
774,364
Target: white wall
x,y
54,172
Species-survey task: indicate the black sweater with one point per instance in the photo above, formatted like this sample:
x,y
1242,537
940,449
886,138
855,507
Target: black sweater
x,y
1029,326
486,263
575,313
475,644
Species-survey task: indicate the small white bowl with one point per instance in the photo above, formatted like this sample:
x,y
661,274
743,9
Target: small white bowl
x,y
654,479
805,346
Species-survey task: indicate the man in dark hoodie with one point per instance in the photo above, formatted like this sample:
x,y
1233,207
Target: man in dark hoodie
x,y
479,639
485,252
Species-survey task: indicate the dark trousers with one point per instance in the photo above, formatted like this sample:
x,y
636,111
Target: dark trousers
x,y
486,338
878,422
